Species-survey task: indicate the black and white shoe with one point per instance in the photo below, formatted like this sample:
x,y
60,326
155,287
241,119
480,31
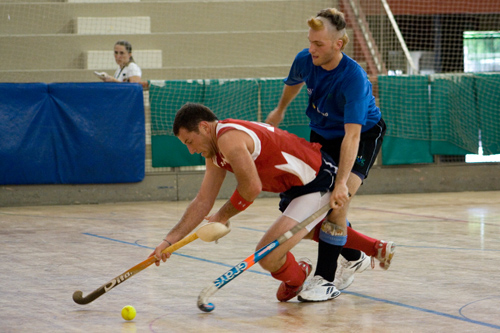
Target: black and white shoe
x,y
318,290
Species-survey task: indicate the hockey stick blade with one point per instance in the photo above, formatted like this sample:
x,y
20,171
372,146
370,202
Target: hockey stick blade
x,y
230,275
80,299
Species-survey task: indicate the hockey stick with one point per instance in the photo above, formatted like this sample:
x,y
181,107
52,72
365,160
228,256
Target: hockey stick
x,y
225,278
208,232
78,295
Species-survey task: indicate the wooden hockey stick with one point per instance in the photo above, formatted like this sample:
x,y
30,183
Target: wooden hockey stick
x,y
208,232
78,295
225,278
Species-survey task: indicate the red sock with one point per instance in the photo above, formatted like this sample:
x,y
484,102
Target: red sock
x,y
317,229
355,240
290,272
358,241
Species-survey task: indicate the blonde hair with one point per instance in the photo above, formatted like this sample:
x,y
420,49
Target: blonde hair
x,y
336,26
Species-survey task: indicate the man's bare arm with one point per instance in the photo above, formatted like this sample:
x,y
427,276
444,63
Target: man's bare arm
x,y
276,116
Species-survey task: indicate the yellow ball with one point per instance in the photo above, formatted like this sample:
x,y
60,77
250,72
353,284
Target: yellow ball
x,y
128,312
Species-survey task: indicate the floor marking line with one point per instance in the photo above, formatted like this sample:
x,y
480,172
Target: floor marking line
x,y
175,253
442,314
423,310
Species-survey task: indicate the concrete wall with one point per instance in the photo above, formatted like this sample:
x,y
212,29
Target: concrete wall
x,y
199,39
171,186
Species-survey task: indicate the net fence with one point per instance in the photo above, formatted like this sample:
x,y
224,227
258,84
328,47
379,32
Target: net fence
x,y
249,99
432,63
65,40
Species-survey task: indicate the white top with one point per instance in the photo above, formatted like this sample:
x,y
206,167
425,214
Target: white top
x,y
123,74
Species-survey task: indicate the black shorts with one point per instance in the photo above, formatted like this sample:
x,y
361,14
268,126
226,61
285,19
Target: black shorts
x,y
369,147
324,182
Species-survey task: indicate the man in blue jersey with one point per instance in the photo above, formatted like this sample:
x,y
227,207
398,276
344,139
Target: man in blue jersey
x,y
348,124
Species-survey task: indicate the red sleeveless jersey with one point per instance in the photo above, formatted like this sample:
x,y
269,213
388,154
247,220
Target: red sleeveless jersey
x,y
282,159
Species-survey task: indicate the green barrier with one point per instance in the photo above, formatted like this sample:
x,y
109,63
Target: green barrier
x,y
488,104
404,102
233,98
441,114
166,97
227,98
295,121
454,121
404,151
302,131
169,151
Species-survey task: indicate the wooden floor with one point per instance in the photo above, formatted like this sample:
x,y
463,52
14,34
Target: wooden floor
x,y
445,276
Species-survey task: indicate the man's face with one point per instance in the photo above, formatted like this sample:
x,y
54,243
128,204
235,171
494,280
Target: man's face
x,y
321,48
199,143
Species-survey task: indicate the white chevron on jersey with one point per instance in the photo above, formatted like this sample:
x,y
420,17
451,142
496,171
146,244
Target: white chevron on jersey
x,y
256,141
297,167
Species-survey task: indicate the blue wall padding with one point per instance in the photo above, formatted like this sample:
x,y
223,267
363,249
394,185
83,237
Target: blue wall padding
x,y
71,133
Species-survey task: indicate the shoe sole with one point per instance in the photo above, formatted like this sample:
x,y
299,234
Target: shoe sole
x,y
387,262
333,296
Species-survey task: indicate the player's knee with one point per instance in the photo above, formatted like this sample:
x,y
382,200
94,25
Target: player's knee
x,y
269,264
332,233
266,264
332,228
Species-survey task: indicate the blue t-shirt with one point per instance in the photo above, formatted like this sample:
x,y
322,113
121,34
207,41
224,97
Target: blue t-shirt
x,y
337,97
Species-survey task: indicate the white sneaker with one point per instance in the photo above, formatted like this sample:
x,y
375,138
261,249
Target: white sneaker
x,y
344,276
385,252
318,290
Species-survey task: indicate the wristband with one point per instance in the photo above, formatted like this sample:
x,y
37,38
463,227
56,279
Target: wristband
x,y
239,202
165,240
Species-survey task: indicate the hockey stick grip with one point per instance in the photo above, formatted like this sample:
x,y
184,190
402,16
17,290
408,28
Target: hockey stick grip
x,y
230,275
78,295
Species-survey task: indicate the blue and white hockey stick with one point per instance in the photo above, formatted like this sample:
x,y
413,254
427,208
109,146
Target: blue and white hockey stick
x,y
225,278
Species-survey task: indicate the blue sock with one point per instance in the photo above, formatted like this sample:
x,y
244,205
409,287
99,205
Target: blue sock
x,y
332,239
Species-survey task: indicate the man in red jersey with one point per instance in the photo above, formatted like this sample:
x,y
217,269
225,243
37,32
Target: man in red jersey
x,y
262,158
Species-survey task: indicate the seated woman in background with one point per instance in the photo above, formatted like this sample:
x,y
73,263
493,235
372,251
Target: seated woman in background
x,y
128,70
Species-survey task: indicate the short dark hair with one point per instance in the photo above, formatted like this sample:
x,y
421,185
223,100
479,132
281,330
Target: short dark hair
x,y
190,115
335,17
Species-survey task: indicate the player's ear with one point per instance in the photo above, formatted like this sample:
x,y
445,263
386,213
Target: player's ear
x,y
203,127
339,43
